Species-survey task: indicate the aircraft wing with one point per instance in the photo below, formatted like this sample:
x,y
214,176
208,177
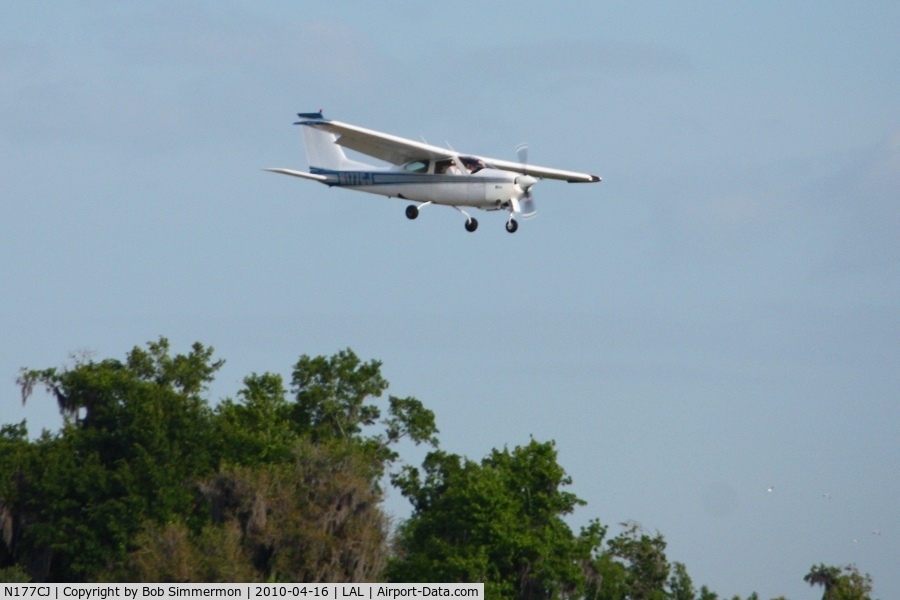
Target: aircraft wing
x,y
389,148
542,172
397,150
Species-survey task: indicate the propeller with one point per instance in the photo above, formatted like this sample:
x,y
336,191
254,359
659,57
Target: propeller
x,y
522,153
524,183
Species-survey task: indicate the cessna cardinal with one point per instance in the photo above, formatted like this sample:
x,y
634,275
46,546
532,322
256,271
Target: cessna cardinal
x,y
422,173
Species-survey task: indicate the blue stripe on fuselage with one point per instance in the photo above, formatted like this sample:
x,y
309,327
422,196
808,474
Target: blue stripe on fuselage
x,y
365,178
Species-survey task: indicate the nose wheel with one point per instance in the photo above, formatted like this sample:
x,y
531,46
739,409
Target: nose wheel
x,y
412,211
512,226
471,225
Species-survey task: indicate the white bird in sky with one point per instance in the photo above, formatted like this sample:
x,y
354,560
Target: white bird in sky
x,y
876,532
827,496
771,488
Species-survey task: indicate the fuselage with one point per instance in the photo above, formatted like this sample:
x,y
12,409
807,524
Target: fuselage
x,y
486,188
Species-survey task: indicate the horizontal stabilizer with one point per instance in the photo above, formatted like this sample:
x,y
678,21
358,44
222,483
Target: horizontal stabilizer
x,y
312,176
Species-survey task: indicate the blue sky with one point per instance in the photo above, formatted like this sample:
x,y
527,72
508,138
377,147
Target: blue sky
x,y
720,315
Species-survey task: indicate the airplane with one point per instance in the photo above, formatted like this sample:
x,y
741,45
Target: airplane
x,y
422,173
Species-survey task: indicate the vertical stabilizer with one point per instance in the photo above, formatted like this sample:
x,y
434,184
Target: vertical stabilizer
x,y
321,149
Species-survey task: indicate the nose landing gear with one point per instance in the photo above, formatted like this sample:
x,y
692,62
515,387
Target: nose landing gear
x,y
512,225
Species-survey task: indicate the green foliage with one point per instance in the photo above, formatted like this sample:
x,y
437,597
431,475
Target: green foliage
x,y
644,557
329,405
409,418
145,481
331,395
499,522
707,594
840,583
187,374
135,432
14,574
256,429
610,579
680,585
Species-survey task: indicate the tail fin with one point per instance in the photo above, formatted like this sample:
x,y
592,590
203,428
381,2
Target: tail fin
x,y
321,149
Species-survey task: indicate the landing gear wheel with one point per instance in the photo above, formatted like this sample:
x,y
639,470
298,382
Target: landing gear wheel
x,y
512,225
412,211
471,225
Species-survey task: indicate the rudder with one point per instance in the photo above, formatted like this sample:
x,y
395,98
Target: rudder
x,y
321,150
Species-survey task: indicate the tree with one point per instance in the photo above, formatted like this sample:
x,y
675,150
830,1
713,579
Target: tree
x,y
645,562
499,522
680,585
840,583
314,519
707,594
331,395
134,433
633,566
146,480
257,428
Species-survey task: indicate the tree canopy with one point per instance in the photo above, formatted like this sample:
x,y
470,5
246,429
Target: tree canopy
x,y
499,521
146,480
845,583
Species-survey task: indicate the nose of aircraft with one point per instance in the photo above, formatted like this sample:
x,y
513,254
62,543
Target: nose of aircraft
x,y
525,182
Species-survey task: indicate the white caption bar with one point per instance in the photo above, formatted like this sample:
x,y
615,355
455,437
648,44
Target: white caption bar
x,y
253,591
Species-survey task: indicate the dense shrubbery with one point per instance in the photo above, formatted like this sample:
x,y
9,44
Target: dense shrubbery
x,y
146,481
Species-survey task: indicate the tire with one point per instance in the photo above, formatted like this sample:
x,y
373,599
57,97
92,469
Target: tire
x,y
471,225
412,211
512,226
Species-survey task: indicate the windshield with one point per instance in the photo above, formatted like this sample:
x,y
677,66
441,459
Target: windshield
x,y
473,165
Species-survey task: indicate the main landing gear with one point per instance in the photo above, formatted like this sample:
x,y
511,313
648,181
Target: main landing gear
x,y
412,211
512,225
471,222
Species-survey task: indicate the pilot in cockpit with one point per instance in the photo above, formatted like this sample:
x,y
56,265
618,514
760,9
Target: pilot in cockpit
x,y
445,167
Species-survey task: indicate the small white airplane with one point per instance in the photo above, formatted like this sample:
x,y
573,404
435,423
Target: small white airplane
x,y
422,173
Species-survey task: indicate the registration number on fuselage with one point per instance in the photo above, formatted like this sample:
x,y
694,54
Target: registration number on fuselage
x,y
355,178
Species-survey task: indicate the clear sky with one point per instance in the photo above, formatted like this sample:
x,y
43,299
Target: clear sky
x,y
720,315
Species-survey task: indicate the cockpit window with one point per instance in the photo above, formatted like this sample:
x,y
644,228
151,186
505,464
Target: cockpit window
x,y
472,164
419,166
443,166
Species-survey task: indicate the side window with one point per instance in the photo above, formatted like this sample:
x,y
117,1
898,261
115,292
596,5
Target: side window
x,y
419,166
442,166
